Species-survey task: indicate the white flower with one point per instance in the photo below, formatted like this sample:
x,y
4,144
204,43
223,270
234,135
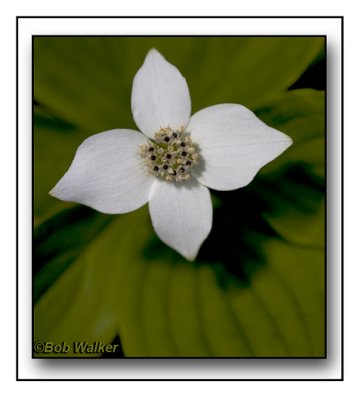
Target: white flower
x,y
175,159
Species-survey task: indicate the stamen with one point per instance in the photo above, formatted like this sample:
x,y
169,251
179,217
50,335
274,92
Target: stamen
x,y
171,155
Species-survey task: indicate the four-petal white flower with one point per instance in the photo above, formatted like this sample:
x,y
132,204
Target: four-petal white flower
x,y
120,170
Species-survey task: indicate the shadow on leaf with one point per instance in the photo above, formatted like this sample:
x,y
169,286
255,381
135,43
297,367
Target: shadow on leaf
x,y
235,247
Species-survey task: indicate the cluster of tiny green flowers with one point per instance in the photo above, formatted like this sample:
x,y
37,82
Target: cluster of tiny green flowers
x,y
171,155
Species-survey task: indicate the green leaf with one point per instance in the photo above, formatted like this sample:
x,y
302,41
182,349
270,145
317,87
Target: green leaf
x,y
162,306
79,305
294,107
87,80
301,115
59,241
294,206
295,186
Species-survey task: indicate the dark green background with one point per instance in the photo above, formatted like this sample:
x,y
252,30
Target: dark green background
x,y
256,288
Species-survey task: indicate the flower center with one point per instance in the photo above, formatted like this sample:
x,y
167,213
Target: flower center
x,y
171,155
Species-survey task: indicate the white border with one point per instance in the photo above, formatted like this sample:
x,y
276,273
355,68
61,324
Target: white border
x,y
179,369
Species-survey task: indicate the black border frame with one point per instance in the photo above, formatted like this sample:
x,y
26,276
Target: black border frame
x,y
342,193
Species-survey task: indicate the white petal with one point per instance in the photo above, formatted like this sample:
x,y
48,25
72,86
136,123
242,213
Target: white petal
x,y
160,96
181,214
234,144
107,173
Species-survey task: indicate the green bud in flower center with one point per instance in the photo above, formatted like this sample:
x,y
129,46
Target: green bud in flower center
x,y
171,155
